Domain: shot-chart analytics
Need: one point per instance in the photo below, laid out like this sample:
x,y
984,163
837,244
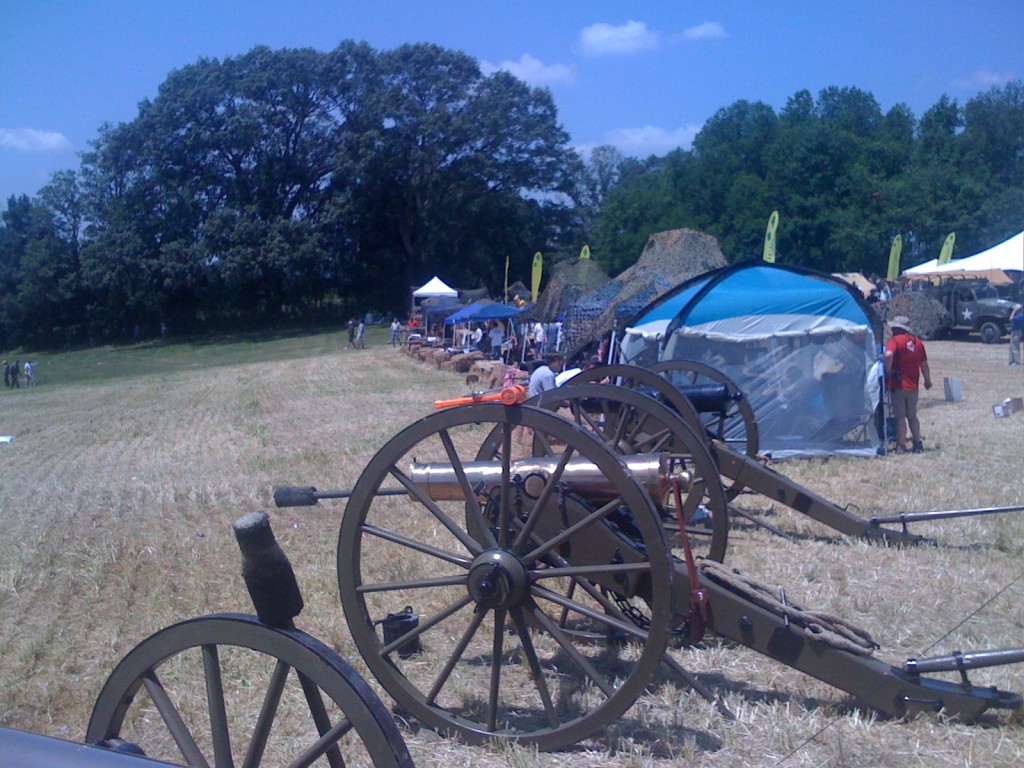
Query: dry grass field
x,y
129,465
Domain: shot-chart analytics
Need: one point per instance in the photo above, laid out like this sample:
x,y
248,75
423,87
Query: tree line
x,y
845,177
291,187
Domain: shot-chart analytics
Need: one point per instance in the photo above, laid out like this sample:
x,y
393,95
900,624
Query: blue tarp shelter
x,y
801,345
498,312
466,314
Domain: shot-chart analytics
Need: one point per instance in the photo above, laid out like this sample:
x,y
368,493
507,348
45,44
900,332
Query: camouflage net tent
x,y
568,282
668,259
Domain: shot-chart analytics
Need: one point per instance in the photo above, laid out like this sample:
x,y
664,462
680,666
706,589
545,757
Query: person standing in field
x,y
16,375
360,339
352,334
540,338
396,328
28,371
1016,333
905,361
7,374
497,337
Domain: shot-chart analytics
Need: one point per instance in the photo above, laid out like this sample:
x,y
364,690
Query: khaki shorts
x,y
904,403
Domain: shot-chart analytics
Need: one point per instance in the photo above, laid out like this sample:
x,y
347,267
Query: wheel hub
x,y
497,579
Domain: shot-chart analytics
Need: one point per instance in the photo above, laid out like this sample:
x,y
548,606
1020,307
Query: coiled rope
x,y
818,625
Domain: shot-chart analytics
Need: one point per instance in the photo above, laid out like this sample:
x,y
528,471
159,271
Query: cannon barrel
x,y
24,748
958,662
943,514
709,398
655,471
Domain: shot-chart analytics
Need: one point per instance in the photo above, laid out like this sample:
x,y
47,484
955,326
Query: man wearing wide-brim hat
x,y
905,361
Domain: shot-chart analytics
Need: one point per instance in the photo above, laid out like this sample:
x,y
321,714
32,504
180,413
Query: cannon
x,y
535,550
714,408
187,694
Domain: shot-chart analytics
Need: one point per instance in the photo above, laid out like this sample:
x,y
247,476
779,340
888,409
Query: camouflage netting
x,y
669,259
569,281
926,315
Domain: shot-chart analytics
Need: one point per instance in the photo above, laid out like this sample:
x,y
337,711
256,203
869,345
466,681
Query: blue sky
x,y
643,76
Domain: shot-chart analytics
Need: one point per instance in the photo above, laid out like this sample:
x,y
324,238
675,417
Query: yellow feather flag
x,y
947,249
585,252
538,267
769,237
894,258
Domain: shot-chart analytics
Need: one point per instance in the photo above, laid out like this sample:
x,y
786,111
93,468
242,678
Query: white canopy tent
x,y
1008,255
433,288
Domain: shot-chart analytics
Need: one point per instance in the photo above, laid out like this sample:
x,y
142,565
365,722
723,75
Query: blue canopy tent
x,y
498,312
466,314
801,345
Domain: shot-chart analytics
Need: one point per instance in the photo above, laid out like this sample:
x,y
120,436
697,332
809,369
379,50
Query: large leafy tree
x,y
844,176
458,171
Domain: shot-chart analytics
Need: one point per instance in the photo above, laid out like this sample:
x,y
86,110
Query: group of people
x,y
17,373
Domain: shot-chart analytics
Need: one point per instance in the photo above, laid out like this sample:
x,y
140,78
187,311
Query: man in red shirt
x,y
905,360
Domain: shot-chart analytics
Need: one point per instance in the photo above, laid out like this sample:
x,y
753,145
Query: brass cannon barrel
x,y
655,471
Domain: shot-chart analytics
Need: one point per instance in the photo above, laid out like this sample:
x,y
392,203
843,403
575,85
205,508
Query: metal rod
x,y
914,517
957,662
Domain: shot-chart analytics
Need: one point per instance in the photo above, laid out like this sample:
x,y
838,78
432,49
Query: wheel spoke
x,y
215,704
590,571
454,528
172,719
417,546
472,503
505,494
534,663
415,632
594,517
496,652
573,652
460,649
260,734
323,722
542,501
440,581
328,741
590,613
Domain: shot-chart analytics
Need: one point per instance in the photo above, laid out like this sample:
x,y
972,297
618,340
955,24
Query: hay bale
x,y
464,362
486,374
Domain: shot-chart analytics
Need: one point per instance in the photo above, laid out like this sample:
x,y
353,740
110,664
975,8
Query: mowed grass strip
x,y
129,465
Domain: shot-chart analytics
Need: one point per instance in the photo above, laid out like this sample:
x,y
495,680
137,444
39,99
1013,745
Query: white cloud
x,y
601,39
982,80
31,140
648,140
709,30
533,71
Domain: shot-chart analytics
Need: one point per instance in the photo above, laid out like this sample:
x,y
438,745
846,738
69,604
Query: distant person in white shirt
x,y
543,378
539,338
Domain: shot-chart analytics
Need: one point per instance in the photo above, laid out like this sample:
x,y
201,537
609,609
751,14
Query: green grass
x,y
106,363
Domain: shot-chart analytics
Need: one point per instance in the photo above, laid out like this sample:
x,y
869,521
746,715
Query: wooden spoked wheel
x,y
647,382
496,559
226,690
736,426
631,423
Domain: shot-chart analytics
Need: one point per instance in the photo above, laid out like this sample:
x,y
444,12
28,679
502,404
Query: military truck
x,y
972,306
